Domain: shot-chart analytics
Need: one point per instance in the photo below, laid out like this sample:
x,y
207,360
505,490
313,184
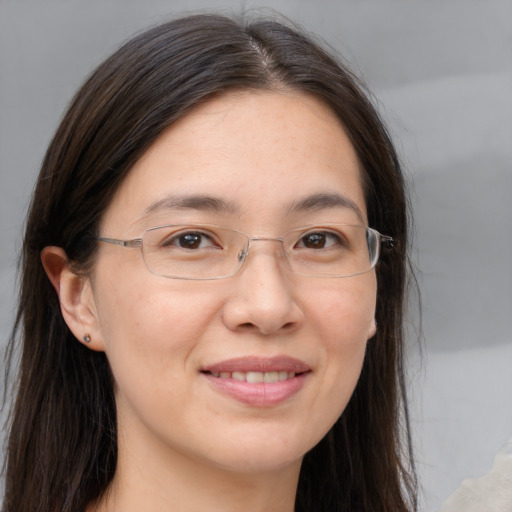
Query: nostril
x,y
267,330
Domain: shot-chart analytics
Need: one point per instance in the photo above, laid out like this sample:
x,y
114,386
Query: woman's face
x,y
259,163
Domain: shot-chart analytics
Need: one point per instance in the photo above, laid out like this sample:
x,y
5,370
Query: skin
x,y
182,442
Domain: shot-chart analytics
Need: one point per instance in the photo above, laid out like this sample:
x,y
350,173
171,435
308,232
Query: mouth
x,y
260,382
255,377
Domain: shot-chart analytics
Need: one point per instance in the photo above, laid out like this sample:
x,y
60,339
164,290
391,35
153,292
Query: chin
x,y
260,463
267,451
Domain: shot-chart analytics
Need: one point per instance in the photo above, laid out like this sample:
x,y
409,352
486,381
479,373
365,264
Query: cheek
x,y
150,325
346,311
345,320
150,338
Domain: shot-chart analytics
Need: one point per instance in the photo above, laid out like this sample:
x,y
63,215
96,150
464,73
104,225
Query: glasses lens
x,y
212,252
193,252
332,250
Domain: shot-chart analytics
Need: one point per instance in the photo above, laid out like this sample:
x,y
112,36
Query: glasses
x,y
203,251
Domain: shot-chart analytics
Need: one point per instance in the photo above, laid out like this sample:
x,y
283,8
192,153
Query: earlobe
x,y
75,297
373,329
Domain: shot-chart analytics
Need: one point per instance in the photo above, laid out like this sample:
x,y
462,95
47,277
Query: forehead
x,y
259,152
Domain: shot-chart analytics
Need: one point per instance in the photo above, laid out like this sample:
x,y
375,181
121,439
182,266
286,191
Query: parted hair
x,y
62,447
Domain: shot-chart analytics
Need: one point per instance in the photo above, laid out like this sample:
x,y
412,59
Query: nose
x,y
263,294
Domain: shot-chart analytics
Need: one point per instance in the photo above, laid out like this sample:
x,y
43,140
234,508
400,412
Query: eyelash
x,y
327,240
176,238
327,235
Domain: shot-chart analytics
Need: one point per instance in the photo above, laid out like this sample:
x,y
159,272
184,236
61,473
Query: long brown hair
x,y
62,448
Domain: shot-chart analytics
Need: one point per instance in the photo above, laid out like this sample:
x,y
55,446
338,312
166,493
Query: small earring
x,y
87,338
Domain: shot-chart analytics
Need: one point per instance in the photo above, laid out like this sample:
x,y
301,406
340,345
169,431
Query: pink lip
x,y
261,394
259,364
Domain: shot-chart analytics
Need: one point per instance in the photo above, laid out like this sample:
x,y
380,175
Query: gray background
x,y
442,73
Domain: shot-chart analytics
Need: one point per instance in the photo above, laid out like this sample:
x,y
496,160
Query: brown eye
x,y
191,240
314,241
319,240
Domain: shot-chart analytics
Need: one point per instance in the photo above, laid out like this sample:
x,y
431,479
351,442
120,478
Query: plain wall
x,y
442,73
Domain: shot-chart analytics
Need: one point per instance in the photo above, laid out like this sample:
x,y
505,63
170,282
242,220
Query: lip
x,y
259,394
259,364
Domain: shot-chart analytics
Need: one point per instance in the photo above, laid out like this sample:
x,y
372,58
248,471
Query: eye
x,y
192,240
320,240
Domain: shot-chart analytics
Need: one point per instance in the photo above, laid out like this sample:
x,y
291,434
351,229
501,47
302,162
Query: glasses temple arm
x,y
137,242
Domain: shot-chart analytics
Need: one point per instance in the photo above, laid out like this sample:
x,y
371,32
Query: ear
x,y
75,296
373,329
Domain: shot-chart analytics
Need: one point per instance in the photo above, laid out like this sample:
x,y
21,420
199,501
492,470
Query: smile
x,y
255,377
258,382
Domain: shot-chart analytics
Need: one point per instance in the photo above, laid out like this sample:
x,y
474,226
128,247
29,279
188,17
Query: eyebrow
x,y
203,202
323,201
193,202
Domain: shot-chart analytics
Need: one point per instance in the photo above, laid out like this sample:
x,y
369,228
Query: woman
x,y
202,319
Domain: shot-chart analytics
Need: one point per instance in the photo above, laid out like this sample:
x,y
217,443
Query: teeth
x,y
255,377
271,377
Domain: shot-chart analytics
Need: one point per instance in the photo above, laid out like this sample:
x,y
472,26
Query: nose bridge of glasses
x,y
270,248
265,239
